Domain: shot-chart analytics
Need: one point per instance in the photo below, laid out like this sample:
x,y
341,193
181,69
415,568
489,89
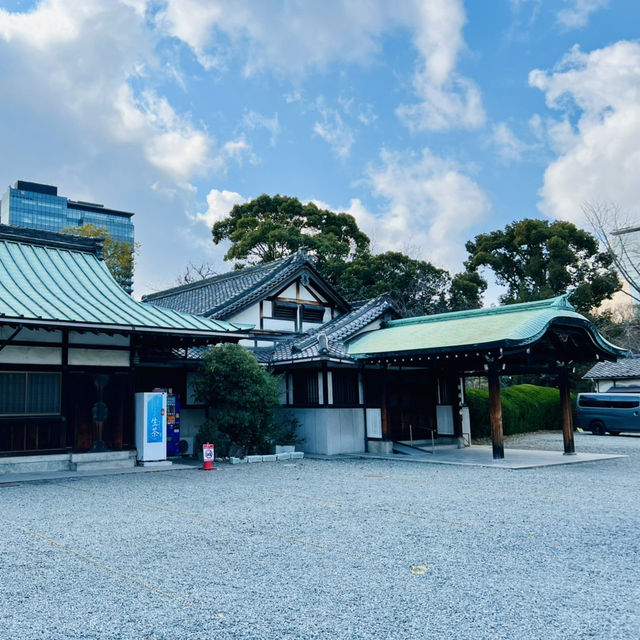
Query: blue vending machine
x,y
173,424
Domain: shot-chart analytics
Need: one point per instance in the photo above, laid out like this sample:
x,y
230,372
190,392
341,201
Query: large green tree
x,y
118,255
537,259
416,287
272,227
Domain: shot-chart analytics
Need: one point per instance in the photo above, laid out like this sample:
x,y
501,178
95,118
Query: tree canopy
x,y
272,227
415,287
118,255
537,259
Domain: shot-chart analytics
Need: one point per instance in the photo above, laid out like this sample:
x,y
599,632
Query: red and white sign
x,y
207,452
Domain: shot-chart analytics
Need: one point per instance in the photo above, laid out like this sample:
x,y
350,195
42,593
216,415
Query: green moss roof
x,y
52,279
506,326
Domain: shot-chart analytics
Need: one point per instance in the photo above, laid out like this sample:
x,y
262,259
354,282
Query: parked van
x,y
608,412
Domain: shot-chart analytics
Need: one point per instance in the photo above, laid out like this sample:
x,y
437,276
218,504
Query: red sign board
x,y
207,452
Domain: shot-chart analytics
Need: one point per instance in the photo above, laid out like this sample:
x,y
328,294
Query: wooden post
x,y
386,430
495,415
567,417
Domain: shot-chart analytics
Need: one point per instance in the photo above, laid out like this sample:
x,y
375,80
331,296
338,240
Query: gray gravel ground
x,y
329,549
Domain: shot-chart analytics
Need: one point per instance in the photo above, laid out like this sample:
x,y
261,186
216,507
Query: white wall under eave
x,y
99,357
31,355
329,430
75,337
250,315
36,335
617,385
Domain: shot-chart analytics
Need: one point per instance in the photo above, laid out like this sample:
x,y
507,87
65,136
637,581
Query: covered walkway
x,y
545,336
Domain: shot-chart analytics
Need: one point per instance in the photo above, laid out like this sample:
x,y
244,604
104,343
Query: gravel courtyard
x,y
329,549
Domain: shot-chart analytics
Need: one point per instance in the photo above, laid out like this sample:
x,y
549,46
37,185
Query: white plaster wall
x,y
305,294
317,294
279,325
290,292
100,339
607,385
32,355
190,421
98,358
330,431
250,315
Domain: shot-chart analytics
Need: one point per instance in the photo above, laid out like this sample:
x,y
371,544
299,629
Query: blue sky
x,y
430,121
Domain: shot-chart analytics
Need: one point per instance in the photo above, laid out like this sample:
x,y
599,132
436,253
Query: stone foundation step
x,y
34,464
102,460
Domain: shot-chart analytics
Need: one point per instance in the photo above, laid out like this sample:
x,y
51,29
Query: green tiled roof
x,y
49,278
506,326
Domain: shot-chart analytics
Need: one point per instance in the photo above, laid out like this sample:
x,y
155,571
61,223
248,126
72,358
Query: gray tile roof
x,y
328,341
308,347
224,294
624,368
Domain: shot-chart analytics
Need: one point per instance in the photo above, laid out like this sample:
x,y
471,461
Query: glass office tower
x,y
38,206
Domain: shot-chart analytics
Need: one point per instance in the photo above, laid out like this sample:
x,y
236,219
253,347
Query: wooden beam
x,y
567,417
495,415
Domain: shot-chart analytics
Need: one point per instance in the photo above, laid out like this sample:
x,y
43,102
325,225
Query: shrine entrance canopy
x,y
530,337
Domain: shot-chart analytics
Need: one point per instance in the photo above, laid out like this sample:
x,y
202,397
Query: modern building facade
x,y
38,206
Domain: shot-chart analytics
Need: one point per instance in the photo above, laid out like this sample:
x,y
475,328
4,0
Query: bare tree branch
x,y
621,239
193,273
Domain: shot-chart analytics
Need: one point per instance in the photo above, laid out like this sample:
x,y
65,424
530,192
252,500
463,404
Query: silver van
x,y
608,412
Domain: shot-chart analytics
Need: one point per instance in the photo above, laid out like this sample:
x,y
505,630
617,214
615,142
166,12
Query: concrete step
x,y
34,464
102,460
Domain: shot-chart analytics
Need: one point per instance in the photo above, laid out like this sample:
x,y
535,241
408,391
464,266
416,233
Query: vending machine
x,y
151,426
173,424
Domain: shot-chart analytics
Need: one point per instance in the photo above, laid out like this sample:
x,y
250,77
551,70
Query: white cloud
x,y
294,37
219,204
508,145
90,65
431,205
597,136
448,99
577,14
333,130
253,120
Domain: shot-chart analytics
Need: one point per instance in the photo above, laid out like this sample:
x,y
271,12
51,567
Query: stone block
x,y
254,459
269,458
283,456
285,448
296,455
380,446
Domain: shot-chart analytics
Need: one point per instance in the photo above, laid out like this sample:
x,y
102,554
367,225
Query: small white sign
x,y
207,452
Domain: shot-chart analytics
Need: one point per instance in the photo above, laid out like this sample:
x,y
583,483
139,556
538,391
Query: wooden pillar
x,y
567,418
495,415
386,430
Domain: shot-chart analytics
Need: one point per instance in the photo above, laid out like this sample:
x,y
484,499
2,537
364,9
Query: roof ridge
x,y
219,277
52,239
289,261
559,302
334,326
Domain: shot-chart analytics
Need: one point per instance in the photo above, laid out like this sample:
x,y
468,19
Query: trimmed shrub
x,y
240,396
525,408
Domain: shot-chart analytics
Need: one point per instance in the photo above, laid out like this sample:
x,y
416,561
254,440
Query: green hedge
x,y
525,407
